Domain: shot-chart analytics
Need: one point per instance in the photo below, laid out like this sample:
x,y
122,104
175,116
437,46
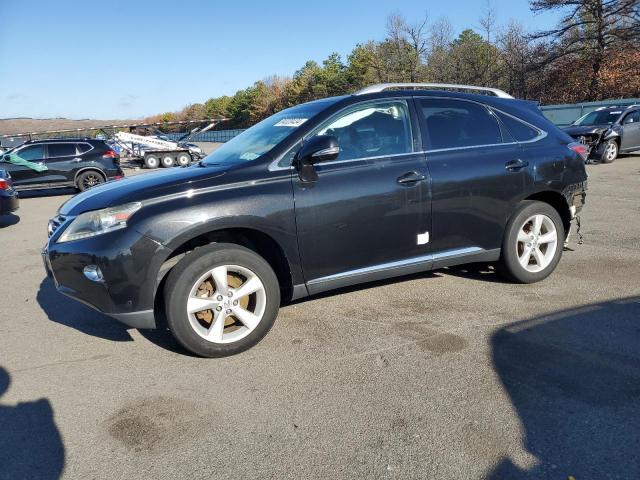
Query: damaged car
x,y
608,131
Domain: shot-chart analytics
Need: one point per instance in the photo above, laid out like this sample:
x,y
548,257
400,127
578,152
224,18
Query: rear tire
x,y
183,160
168,161
533,243
206,310
88,179
608,151
151,161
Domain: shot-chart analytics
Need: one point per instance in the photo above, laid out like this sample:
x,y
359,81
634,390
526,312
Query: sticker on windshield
x,y
290,122
249,156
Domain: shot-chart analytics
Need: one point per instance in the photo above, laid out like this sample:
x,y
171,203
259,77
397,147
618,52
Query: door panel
x,y
473,195
23,175
363,211
631,131
62,160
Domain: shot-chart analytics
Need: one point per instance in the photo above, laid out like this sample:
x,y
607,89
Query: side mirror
x,y
321,148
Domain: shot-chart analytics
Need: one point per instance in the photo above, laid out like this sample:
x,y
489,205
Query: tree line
x,y
593,53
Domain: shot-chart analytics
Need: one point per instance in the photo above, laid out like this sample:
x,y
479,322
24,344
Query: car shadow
x,y
73,314
574,380
30,444
8,220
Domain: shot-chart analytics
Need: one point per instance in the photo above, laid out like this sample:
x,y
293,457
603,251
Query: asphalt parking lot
x,y
448,374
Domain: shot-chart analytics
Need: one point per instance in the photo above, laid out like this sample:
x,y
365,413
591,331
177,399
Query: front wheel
x,y
533,243
221,300
608,152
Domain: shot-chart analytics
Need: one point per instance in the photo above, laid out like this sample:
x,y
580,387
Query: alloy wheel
x,y
611,152
226,304
536,243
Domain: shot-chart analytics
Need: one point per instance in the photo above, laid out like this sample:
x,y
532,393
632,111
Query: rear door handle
x,y
515,165
410,178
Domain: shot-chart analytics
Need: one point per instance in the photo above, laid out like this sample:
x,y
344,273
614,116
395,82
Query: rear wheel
x,y
151,161
168,161
608,151
533,243
221,300
88,179
183,159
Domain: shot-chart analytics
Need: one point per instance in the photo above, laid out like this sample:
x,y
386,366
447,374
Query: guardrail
x,y
563,115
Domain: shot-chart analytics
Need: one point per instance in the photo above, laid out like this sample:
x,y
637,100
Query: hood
x,y
139,188
577,130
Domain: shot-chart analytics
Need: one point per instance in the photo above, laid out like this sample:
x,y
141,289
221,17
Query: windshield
x,y
262,137
601,117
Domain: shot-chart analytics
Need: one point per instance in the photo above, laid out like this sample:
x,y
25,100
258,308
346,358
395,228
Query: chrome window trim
x,y
273,166
397,264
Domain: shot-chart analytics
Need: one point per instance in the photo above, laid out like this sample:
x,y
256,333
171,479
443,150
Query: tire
x,y
88,179
520,237
183,160
608,151
214,331
168,161
151,161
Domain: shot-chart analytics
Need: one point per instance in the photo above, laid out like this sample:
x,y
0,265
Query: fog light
x,y
93,273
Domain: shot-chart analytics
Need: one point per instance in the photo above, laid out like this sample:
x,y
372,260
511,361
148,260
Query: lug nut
x,y
228,311
219,298
235,302
230,294
218,309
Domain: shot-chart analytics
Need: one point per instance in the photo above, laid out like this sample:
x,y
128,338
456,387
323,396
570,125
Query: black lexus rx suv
x,y
392,180
71,162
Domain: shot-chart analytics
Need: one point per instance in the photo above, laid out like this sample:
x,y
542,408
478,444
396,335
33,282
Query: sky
x,y
118,59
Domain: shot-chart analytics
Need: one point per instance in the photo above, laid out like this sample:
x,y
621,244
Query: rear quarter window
x,y
520,131
83,147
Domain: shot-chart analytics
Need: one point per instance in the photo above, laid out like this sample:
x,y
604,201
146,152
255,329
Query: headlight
x,y
90,224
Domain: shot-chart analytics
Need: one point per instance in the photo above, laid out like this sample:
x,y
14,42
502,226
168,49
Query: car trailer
x,y
150,151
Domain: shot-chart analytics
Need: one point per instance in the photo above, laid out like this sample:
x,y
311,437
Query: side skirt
x,y
403,267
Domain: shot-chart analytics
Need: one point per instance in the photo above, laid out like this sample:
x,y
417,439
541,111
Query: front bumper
x,y
129,262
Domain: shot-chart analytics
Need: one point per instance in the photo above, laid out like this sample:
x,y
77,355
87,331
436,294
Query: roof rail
x,y
634,105
423,86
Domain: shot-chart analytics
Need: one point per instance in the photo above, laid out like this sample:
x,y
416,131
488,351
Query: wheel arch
x,y
558,202
254,239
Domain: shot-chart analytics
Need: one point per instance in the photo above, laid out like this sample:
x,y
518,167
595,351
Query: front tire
x,y
533,243
221,300
608,152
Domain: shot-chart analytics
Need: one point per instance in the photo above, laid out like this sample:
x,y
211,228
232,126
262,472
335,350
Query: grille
x,y
55,223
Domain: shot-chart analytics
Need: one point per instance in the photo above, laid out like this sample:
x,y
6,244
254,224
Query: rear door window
x,y
457,123
519,131
61,149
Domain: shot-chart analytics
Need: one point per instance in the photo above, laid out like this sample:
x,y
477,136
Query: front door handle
x,y
515,165
410,178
